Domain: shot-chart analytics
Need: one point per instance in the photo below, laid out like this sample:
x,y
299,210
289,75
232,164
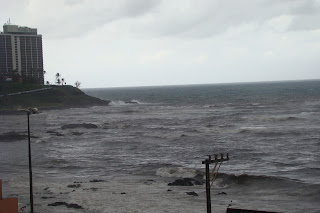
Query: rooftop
x,y
15,29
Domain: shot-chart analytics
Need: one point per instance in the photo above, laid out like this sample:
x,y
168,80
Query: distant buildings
x,y
21,54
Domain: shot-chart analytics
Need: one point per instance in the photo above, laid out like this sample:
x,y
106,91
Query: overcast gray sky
x,y
115,43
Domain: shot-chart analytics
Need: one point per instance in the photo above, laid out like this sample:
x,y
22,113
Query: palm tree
x,y
58,81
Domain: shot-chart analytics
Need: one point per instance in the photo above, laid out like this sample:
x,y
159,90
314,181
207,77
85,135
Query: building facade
x,y
21,53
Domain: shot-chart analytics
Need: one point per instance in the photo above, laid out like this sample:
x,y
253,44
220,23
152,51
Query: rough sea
x,y
151,136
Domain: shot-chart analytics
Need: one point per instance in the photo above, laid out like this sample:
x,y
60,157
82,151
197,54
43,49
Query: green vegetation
x,y
54,97
14,87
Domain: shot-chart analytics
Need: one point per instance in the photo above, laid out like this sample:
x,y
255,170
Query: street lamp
x,y
30,111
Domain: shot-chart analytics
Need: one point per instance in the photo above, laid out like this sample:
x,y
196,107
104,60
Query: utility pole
x,y
208,162
30,111
30,166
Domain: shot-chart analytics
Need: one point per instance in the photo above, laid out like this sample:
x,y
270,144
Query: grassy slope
x,y
57,97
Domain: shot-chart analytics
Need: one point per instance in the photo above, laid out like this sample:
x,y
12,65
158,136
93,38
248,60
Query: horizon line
x,y
199,84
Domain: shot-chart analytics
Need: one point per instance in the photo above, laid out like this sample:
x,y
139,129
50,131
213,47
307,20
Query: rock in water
x,y
192,193
186,182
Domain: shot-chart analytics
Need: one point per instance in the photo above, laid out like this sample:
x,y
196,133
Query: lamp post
x,y
30,111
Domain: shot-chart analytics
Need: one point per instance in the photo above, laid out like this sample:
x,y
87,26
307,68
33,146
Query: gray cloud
x,y
139,7
307,16
157,18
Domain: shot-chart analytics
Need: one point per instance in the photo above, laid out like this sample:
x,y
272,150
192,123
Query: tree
x,y
63,81
47,83
58,81
77,84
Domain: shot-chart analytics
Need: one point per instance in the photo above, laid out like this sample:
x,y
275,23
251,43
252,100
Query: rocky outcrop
x,y
186,182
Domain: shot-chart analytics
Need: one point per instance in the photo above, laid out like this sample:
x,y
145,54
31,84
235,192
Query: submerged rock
x,y
54,133
74,185
222,193
192,193
77,133
71,205
83,125
14,136
45,197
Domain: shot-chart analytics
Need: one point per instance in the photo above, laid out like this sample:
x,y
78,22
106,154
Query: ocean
x,y
151,136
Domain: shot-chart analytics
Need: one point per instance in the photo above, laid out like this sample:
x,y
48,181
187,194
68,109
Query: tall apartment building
x,y
21,52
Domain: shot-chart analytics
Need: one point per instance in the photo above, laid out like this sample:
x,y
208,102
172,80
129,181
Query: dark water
x,y
270,130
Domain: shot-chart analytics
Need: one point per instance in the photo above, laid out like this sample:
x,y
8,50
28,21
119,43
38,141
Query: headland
x,y
15,96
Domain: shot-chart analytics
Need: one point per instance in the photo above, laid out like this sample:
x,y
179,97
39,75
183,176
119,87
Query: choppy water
x,y
270,130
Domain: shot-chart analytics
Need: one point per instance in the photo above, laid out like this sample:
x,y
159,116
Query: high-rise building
x,y
21,53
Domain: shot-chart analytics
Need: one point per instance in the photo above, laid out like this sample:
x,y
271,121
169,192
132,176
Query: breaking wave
x,y
122,103
177,172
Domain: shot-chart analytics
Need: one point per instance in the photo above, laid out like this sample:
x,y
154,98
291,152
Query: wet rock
x,y
182,182
222,193
83,125
192,193
71,205
123,193
169,190
74,185
186,182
